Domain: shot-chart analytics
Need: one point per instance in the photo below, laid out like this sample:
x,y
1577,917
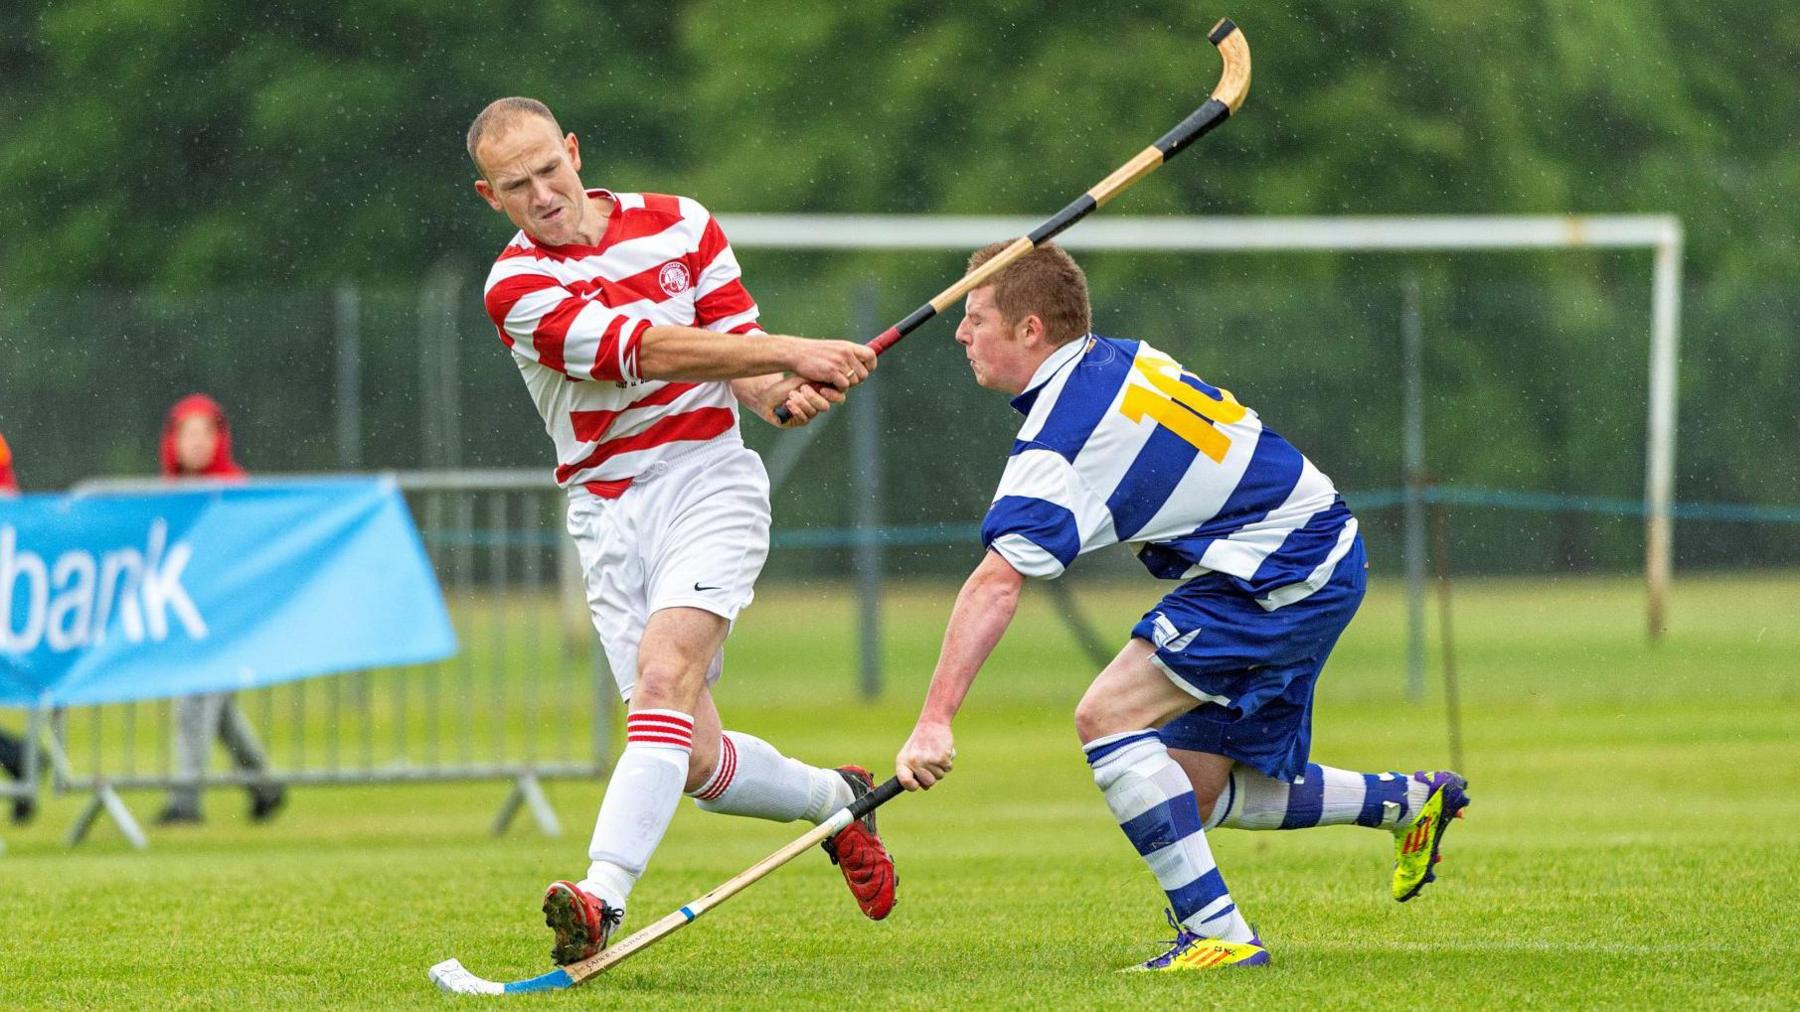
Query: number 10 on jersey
x,y
1182,409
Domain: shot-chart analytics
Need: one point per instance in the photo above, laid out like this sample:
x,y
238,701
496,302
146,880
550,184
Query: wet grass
x,y
1627,845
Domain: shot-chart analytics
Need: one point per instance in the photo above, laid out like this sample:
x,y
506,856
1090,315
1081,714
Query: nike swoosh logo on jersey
x,y
702,589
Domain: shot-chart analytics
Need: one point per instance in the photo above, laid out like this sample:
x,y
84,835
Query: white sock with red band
x,y
640,800
754,779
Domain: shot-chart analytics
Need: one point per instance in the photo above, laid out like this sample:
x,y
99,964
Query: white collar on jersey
x,y
1049,367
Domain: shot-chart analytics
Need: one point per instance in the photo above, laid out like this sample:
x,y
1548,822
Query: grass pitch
x,y
1630,843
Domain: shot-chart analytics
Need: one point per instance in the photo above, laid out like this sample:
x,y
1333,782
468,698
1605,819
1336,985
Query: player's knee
x,y
1205,797
666,683
1207,774
703,762
697,777
1095,717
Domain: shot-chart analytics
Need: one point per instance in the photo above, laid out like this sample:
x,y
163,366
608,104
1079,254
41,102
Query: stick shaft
x,y
1234,84
647,936
1227,96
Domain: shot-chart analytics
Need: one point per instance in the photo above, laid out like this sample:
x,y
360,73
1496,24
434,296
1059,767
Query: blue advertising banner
x,y
114,597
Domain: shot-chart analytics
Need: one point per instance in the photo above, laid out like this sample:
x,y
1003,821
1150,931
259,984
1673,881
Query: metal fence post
x,y
439,414
1412,452
450,364
347,304
865,485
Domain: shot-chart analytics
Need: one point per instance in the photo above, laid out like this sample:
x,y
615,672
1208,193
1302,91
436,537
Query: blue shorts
x,y
1255,668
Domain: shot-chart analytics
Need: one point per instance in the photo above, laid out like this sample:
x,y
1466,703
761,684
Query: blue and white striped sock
x,y
1154,803
1324,796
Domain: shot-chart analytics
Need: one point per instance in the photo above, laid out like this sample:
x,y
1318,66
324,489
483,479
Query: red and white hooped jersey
x,y
575,315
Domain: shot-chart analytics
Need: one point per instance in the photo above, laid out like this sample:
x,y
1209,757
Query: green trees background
x,y
204,143
181,151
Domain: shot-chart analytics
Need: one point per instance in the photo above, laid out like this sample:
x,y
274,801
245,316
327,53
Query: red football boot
x,y
858,852
582,922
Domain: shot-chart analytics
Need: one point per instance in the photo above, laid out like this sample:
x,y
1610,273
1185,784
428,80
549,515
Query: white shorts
x,y
692,532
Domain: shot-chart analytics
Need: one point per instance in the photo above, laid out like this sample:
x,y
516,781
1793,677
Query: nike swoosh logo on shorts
x,y
702,589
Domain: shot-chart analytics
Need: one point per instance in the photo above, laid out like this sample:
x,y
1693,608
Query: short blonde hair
x,y
1046,282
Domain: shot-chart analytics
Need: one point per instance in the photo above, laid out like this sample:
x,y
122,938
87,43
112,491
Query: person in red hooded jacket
x,y
196,443
9,483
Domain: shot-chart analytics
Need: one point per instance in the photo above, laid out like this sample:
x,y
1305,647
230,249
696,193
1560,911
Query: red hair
x,y
221,465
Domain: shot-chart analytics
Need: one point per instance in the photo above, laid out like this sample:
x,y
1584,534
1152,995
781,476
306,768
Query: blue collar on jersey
x,y
1048,368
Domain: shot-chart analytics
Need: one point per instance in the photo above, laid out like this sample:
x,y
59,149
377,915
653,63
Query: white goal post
x,y
1659,233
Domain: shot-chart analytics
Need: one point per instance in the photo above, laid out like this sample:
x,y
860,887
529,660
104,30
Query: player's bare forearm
x,y
749,390
690,353
984,609
761,395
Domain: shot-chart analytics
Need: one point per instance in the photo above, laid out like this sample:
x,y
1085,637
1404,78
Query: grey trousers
x,y
198,720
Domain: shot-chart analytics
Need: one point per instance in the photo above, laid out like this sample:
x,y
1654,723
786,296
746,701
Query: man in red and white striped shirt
x,y
637,341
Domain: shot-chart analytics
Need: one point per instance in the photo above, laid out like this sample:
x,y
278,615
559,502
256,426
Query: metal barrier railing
x,y
526,697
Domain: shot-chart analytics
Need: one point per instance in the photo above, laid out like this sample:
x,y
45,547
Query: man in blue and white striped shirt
x,y
1204,718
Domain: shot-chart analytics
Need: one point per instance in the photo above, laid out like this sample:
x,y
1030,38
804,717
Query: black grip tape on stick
x,y
888,791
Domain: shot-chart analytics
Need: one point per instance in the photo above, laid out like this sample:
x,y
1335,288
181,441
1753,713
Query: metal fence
x,y
1531,375
526,698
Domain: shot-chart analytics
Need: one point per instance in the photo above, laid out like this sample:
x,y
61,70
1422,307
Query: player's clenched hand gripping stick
x,y
1234,84
451,976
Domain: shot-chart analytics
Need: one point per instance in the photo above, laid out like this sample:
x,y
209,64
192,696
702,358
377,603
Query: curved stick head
x,y
1234,49
451,976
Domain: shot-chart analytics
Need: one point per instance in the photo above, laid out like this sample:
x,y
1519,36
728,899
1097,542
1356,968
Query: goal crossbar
x,y
1661,234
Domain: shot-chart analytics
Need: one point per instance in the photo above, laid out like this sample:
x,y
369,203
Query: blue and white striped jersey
x,y
1122,446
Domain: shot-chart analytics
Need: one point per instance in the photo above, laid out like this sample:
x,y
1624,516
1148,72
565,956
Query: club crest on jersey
x,y
674,277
